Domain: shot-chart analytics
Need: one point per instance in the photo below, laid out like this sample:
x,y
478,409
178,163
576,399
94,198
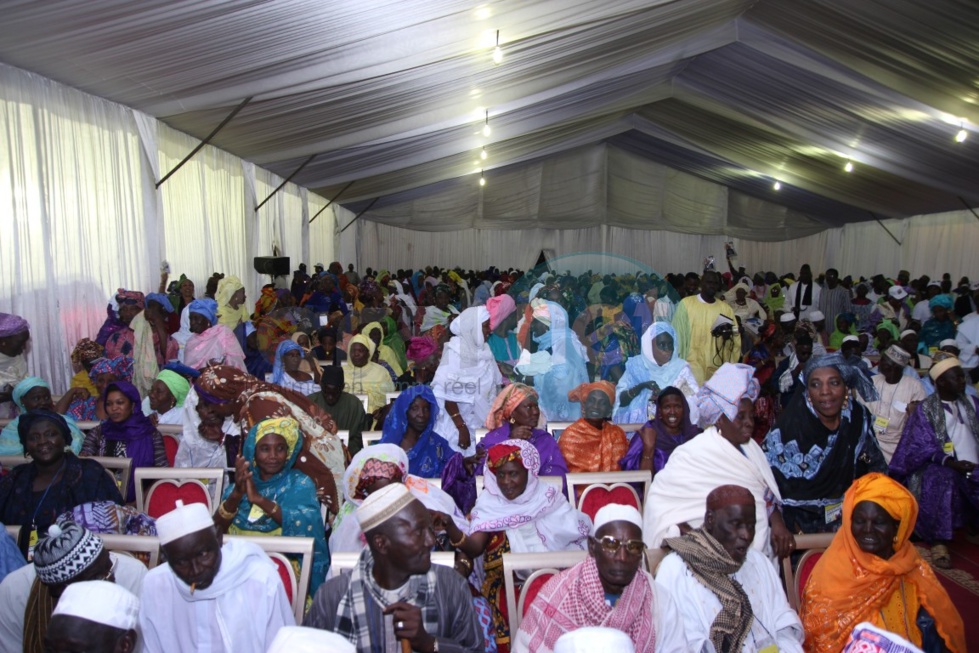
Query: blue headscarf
x,y
206,307
278,369
26,386
642,368
160,299
940,301
11,444
429,455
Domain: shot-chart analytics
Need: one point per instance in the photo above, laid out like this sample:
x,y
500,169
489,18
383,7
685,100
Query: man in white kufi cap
x,y
898,394
300,639
94,616
592,639
209,597
395,594
607,589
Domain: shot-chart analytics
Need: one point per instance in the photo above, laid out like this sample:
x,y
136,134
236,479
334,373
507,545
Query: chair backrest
x,y
556,428
390,397
364,400
9,462
171,429
112,465
13,530
139,546
654,557
344,436
371,437
278,548
542,566
632,427
189,484
589,491
171,444
347,560
805,544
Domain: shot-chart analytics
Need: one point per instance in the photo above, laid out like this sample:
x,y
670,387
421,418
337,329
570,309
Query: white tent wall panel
x,y
81,217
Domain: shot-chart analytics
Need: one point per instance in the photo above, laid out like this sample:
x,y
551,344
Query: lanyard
x,y
45,495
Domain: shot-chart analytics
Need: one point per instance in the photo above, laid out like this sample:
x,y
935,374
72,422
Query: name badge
x,y
948,448
833,512
771,648
880,424
31,543
255,514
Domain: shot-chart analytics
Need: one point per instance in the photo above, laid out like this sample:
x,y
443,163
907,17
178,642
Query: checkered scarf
x,y
713,566
352,621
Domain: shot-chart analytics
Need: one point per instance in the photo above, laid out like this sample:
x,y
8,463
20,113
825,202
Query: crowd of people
x,y
763,407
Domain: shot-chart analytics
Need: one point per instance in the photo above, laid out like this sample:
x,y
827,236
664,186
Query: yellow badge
x,y
948,448
833,512
880,424
255,514
771,648
31,543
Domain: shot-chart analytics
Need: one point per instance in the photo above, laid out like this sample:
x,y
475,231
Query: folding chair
x,y
167,486
171,444
278,548
364,400
371,437
138,546
542,566
811,547
347,560
596,489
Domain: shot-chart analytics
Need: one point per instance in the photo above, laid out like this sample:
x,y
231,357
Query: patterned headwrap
x,y
852,375
442,287
12,325
580,394
124,296
66,552
287,427
86,351
375,470
724,391
369,287
500,454
121,367
420,348
160,299
541,312
506,402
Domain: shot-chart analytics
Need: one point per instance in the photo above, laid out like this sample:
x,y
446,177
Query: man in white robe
x,y
209,597
701,569
898,395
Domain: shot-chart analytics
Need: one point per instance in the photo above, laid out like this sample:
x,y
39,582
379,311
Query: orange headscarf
x,y
849,586
506,402
586,448
581,393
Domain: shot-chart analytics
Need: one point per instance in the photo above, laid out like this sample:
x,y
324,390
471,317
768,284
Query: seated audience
x,y
326,350
95,616
724,454
370,606
502,339
514,415
606,589
366,377
873,573
898,396
69,554
593,443
383,354
347,410
209,439
732,597
144,335
34,393
211,341
210,595
821,443
269,497
232,308
657,439
410,424
937,457
126,433
15,333
34,494
165,402
85,353
940,325
256,362
658,367
80,405
286,372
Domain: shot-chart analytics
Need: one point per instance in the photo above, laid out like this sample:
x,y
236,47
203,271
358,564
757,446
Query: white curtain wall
x,y
80,215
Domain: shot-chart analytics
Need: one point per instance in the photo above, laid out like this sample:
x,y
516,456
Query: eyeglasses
x,y
612,545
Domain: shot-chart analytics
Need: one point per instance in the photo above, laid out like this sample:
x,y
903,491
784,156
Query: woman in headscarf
x,y
887,333
286,370
230,298
363,376
370,470
145,336
593,443
873,573
83,406
646,375
32,394
940,326
467,380
724,454
383,355
651,446
503,340
270,497
250,401
844,327
209,438
606,330
54,480
439,313
373,299
821,443
165,402
515,512
126,433
212,342
411,424
85,353
394,342
403,311
558,365
515,415
774,301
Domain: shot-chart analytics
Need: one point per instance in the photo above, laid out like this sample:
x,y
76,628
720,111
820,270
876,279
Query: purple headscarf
x,y
136,431
12,324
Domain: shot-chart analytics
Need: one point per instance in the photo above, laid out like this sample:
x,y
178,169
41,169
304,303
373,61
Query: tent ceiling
x,y
385,92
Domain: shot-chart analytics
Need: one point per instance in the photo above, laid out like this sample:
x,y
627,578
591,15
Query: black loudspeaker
x,y
277,266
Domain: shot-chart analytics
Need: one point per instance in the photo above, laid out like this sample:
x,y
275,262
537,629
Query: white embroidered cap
x,y
183,520
594,638
99,601
300,639
616,512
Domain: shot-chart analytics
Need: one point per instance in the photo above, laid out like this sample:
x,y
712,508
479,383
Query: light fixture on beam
x,y
497,52
777,185
486,128
483,154
482,179
849,166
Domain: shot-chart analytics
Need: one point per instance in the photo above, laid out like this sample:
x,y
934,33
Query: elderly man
x,y
937,456
606,589
395,593
68,555
224,598
894,308
706,330
898,396
15,332
733,599
96,617
346,409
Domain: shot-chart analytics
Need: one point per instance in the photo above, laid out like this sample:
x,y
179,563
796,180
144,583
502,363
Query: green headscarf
x,y
394,340
774,303
179,386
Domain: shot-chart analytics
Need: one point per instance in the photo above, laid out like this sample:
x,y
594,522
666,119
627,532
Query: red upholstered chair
x,y
278,549
166,486
590,491
594,497
287,574
171,444
540,566
811,547
163,495
531,587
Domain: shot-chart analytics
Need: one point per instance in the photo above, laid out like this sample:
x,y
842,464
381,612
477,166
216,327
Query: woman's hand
x,y
648,436
471,462
242,475
440,520
782,540
80,394
254,496
465,439
521,432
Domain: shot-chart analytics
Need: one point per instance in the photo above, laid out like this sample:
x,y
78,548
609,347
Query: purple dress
x,y
551,461
944,495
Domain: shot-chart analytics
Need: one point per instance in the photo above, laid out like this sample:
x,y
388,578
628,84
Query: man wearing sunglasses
x,y
732,596
606,589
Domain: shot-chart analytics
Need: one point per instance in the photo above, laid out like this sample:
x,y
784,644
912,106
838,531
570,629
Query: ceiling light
x,y
497,52
849,166
961,136
483,12
483,154
482,179
777,185
486,128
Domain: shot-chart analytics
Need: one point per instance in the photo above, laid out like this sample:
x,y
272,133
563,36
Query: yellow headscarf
x,y
286,427
227,315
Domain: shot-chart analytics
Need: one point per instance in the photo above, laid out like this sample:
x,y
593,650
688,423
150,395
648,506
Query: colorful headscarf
x,y
86,351
26,386
227,315
852,375
723,392
160,299
500,307
178,385
394,340
580,394
278,368
206,307
506,402
286,427
361,339
12,325
501,454
121,367
124,296
420,348
136,432
427,456
771,302
940,301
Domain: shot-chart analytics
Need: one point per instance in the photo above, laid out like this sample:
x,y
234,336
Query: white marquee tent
x,y
651,129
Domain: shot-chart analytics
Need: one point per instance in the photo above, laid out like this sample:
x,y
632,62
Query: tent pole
x,y
368,208
331,201
287,180
899,243
971,210
206,140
